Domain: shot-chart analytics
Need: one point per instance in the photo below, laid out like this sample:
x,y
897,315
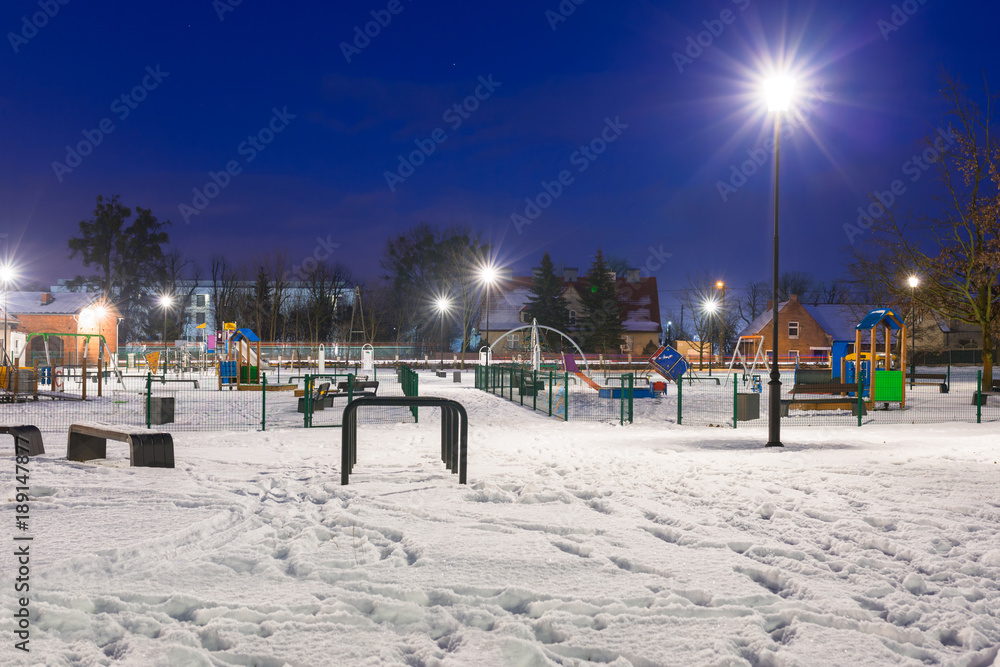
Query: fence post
x,y
680,401
736,398
534,390
861,397
566,406
149,400
979,397
631,397
308,401
263,401
551,388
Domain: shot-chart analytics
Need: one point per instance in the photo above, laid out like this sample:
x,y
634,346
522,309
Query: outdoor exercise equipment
x,y
454,431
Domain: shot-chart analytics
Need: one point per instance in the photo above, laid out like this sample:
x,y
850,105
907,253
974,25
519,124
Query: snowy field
x,y
573,544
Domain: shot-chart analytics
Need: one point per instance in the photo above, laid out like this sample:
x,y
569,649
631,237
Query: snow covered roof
x,y
837,320
59,303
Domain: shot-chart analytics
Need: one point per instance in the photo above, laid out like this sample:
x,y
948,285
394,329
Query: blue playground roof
x,y
247,334
880,316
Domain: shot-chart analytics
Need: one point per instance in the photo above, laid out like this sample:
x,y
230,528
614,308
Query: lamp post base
x,y
774,411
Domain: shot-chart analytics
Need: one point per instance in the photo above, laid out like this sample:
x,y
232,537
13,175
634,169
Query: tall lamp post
x,y
721,286
166,301
778,91
710,307
442,304
6,276
914,281
488,275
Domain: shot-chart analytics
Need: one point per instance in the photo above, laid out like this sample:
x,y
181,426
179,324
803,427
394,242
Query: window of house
x,y
513,341
793,330
524,317
200,318
793,353
572,317
200,300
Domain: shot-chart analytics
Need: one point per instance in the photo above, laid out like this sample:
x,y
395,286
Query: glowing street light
x,y
914,281
443,304
779,94
488,275
165,302
6,277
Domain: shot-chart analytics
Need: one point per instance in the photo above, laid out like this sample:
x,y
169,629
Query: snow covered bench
x,y
149,449
27,439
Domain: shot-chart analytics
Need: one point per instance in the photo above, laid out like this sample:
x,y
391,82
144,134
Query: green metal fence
x,y
326,395
558,394
940,395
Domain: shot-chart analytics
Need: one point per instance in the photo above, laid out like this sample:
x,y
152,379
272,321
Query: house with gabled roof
x,y
64,313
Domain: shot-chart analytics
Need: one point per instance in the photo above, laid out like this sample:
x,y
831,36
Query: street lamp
x,y
488,276
778,93
670,332
710,307
6,276
721,286
914,281
443,303
165,301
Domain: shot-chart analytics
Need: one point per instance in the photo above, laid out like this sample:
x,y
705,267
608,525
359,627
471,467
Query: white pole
x,y
322,359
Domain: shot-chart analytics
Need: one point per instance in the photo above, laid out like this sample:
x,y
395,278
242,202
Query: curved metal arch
x,y
542,326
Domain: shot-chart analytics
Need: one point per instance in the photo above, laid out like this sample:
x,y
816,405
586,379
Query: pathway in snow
x,y
573,544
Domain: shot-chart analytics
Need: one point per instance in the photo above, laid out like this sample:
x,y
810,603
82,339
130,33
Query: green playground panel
x,y
888,386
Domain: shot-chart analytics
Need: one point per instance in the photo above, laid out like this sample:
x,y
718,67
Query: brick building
x,y
807,330
63,313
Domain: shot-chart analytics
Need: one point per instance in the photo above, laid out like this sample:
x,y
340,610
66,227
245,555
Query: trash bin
x,y
457,377
161,410
747,407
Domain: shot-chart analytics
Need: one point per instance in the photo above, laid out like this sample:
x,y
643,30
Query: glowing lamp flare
x,y
914,281
443,304
778,92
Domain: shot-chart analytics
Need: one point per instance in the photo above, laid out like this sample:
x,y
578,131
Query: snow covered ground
x,y
573,544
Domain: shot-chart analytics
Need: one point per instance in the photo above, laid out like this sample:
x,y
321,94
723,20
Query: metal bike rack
x,y
454,431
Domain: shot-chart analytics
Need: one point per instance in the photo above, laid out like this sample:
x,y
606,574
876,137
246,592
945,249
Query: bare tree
x,y
954,250
753,303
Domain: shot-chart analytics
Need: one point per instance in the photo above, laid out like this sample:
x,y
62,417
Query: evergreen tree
x,y
602,313
546,303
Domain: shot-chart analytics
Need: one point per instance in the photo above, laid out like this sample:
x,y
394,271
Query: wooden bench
x,y
318,398
27,440
822,404
827,388
940,379
147,449
365,388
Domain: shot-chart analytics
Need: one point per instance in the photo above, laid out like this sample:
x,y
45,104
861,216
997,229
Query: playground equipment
x,y
744,346
875,371
241,366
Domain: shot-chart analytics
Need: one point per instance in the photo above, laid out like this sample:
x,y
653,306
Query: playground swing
x,y
748,343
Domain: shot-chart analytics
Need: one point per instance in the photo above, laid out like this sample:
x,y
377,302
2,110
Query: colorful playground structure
x,y
240,365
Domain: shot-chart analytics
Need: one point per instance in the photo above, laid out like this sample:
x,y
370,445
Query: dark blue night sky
x,y
278,72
